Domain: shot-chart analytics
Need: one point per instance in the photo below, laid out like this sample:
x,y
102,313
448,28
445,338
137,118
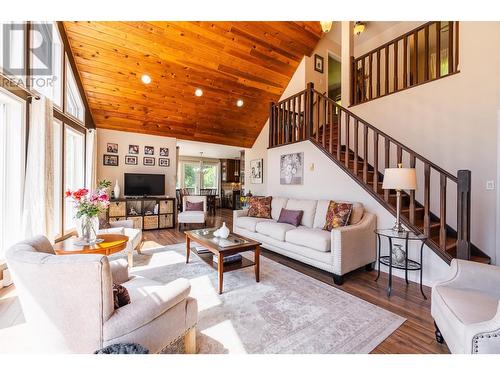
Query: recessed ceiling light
x,y
239,102
198,92
146,79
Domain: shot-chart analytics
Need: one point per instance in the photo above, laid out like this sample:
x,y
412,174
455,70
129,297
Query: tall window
x,y
49,85
74,167
210,176
74,103
12,158
197,175
58,175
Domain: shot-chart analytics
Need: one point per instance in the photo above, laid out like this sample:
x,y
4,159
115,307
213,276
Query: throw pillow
x,y
260,207
120,296
103,223
290,216
194,206
337,215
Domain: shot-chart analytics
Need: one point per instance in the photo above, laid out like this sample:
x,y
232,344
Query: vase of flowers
x,y
88,206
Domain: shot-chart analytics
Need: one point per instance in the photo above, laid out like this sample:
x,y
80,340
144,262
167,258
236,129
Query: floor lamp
x,y
399,179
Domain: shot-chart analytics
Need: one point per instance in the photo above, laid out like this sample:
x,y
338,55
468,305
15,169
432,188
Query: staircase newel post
x,y
271,124
463,214
310,111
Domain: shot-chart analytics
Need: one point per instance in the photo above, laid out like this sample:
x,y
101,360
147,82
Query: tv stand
x,y
146,212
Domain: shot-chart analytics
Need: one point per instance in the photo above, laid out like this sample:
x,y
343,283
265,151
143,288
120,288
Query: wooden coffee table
x,y
113,243
205,238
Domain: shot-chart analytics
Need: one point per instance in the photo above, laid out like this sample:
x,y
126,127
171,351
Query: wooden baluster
x,y
356,129
378,73
375,161
271,124
278,124
354,77
300,118
427,198
370,77
395,88
347,121
365,154
451,65
318,113
363,81
387,147
415,57
463,214
438,49
339,133
456,47
442,213
325,122
405,62
286,126
426,53
332,114
386,70
399,155
310,112
412,192
294,120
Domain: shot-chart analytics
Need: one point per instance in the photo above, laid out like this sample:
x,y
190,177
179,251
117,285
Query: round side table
x,y
407,264
112,243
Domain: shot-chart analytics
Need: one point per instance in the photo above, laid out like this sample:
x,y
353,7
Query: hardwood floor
x,y
415,336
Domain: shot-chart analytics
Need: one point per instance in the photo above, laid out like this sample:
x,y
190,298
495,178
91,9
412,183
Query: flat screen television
x,y
141,184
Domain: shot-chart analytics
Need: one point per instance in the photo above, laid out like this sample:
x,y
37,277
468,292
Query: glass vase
x,y
87,228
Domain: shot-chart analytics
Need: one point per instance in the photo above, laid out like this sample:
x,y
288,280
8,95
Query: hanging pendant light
x,y
326,26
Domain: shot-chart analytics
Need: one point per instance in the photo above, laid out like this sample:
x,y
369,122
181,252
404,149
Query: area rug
x,y
287,312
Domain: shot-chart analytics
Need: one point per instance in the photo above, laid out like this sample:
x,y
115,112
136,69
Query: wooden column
x,y
309,109
463,214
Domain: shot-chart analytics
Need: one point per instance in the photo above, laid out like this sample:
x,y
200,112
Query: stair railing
x,y
353,142
424,54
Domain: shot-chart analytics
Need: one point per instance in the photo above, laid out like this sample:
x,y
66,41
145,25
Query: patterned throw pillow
x,y
260,207
120,296
337,215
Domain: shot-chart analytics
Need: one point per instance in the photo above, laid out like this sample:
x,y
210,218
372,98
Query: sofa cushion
x,y
194,206
188,217
276,205
320,217
337,215
120,296
306,205
290,216
117,230
248,223
273,229
260,207
316,239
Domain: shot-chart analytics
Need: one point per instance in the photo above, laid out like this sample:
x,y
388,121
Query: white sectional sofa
x,y
340,251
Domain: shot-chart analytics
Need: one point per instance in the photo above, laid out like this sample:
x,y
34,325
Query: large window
x,y
12,157
74,103
196,175
74,167
48,83
58,175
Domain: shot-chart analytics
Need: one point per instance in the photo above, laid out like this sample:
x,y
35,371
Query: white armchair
x,y
68,302
192,217
466,308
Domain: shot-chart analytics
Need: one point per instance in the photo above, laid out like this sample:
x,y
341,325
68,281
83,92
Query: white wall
x,y
328,181
453,122
124,139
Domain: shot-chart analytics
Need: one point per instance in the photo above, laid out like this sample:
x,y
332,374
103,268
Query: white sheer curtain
x,y
91,156
38,212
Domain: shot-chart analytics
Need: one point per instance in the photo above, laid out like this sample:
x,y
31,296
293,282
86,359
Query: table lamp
x,y
399,179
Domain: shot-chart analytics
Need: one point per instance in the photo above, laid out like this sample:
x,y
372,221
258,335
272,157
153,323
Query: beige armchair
x,y
68,302
193,217
466,308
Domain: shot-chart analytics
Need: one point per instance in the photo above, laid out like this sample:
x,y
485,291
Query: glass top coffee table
x,y
234,244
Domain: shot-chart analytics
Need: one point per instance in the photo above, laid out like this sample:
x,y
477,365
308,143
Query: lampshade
x,y
400,179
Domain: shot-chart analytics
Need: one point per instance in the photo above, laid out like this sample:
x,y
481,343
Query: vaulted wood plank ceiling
x,y
253,61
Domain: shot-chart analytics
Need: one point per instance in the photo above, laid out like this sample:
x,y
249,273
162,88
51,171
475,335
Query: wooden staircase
x,y
364,151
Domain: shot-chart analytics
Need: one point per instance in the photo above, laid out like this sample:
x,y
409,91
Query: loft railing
x,y
424,54
365,151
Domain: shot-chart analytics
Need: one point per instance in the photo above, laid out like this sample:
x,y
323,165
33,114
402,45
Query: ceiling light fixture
x,y
146,79
326,26
198,92
359,27
239,103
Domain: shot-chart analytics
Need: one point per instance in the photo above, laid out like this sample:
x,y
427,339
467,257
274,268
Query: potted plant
x,y
88,206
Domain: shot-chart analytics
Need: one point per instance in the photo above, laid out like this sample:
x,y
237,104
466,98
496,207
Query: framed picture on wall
x,y
256,171
110,160
149,150
292,169
150,162
133,149
112,148
164,162
130,160
318,63
163,151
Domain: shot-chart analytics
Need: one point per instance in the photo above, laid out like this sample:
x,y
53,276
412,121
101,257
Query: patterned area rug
x,y
287,312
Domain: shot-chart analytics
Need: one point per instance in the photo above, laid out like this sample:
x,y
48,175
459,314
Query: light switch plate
x,y
490,185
